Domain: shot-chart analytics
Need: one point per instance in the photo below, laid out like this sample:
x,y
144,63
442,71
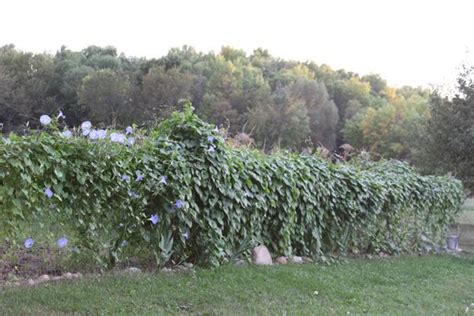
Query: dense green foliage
x,y
451,132
415,285
216,198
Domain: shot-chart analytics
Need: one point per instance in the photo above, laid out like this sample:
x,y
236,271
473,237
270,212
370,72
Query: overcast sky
x,y
408,42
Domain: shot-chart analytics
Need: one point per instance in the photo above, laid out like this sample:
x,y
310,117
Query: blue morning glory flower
x,y
29,243
60,115
211,149
210,139
179,203
66,134
102,133
186,235
131,141
62,242
128,130
118,138
140,176
86,125
154,219
94,134
133,194
164,180
48,192
125,178
45,120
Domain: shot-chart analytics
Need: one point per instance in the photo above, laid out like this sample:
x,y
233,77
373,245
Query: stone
x,y
78,275
133,270
43,278
188,265
307,259
31,282
68,275
281,260
240,262
261,256
167,270
296,259
56,278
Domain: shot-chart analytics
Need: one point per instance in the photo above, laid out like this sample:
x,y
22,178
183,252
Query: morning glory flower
x,y
29,243
211,149
117,138
45,120
164,180
133,194
140,176
102,133
66,134
216,129
179,203
86,132
210,139
247,194
61,115
126,178
94,134
86,125
131,141
186,235
62,242
48,192
128,130
154,219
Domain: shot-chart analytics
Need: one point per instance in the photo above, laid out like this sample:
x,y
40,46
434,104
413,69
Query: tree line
x,y
279,103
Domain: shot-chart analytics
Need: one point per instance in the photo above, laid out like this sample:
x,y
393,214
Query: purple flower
x,y
131,141
125,178
29,243
86,125
60,115
210,139
164,180
154,219
62,242
66,134
211,149
128,130
94,134
48,192
45,120
102,133
133,194
117,138
140,176
179,203
85,132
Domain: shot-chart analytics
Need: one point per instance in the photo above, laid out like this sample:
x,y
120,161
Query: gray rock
x,y
281,260
296,259
261,256
188,265
31,282
43,278
68,275
56,278
134,270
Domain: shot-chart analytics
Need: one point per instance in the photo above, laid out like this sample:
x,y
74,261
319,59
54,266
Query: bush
x,y
180,192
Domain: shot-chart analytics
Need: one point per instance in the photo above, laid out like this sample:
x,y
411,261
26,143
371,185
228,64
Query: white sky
x,y
408,42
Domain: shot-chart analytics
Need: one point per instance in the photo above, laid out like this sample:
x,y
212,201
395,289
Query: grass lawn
x,y
406,285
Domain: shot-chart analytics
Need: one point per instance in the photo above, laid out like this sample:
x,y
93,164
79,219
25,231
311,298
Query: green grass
x,y
408,285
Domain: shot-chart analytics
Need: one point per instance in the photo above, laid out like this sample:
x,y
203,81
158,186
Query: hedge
x,y
180,192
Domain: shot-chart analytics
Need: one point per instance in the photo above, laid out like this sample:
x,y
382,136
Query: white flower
x,y
128,130
61,115
45,120
131,141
